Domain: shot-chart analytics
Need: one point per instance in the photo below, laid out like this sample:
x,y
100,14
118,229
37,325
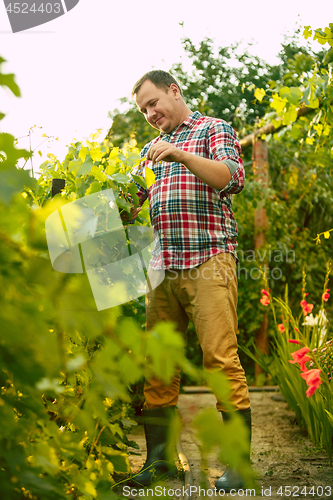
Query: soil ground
x,y
282,454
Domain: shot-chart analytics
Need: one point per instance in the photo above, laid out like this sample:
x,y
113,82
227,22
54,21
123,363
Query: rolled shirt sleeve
x,y
223,145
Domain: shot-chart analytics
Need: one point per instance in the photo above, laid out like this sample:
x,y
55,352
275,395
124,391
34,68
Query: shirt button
x,y
162,235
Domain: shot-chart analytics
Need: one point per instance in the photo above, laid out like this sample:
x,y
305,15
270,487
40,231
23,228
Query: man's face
x,y
161,108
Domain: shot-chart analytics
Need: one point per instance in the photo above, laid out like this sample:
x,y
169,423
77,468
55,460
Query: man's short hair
x,y
161,79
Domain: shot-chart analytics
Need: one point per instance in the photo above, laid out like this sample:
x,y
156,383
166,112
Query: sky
x,y
73,70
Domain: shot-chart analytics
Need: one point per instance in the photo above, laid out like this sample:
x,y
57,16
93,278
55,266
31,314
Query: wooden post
x,y
261,172
57,186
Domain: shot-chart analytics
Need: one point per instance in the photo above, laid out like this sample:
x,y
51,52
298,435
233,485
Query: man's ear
x,y
175,90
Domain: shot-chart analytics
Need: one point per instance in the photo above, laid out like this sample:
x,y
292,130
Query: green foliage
x,y
8,80
92,167
314,412
233,435
222,81
324,354
66,368
226,82
68,371
13,180
299,198
307,82
220,85
299,205
323,37
130,125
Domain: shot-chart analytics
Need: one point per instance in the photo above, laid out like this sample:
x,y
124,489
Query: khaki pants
x,y
207,295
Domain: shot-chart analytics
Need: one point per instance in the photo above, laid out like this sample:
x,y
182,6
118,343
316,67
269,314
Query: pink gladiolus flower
x,y
281,327
264,300
326,295
307,308
294,341
265,297
312,378
301,358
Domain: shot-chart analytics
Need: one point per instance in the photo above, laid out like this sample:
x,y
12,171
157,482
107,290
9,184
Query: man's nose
x,y
151,113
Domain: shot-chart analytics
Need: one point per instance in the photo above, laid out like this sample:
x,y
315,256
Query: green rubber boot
x,y
230,479
158,464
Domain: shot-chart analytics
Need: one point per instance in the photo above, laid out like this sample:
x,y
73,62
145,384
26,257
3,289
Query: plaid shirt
x,y
193,221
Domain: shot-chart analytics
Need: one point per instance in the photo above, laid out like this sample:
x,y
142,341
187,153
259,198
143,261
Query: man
x,y
197,166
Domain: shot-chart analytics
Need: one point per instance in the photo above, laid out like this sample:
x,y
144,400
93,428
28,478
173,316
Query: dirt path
x,y
285,460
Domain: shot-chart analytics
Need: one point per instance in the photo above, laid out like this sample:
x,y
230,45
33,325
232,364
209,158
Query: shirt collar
x,y
189,122
192,119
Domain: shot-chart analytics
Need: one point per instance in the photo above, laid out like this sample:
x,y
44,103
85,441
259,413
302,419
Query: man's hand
x,y
126,217
164,151
212,172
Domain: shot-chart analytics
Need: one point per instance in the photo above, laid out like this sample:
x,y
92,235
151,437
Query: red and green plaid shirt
x,y
193,221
